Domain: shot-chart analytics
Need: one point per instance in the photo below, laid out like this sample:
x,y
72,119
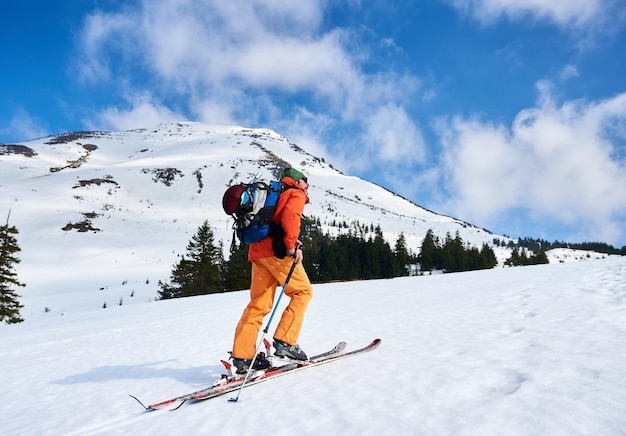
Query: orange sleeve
x,y
290,216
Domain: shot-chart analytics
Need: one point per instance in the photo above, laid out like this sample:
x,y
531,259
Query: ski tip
x,y
373,345
340,347
178,405
142,405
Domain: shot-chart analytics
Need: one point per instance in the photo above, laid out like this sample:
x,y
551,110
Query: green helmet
x,y
293,173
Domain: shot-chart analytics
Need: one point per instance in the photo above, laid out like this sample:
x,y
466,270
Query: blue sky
x,y
509,114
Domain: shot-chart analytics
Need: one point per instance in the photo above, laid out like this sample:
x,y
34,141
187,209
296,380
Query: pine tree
x,y
9,299
523,257
454,254
402,257
237,272
383,255
200,272
540,257
311,236
428,257
488,258
514,259
328,268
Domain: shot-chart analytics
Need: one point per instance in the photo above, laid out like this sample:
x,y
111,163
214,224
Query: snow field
x,y
510,351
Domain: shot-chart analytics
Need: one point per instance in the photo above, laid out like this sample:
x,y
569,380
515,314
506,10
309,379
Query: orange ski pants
x,y
266,273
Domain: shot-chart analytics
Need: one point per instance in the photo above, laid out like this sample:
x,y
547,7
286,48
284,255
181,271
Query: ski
x,y
224,382
282,370
228,384
291,367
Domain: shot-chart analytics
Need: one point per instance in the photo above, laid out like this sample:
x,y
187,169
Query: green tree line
x,y
453,255
521,257
203,269
361,253
537,245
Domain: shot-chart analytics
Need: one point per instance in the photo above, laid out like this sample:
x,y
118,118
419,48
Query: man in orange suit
x,y
267,271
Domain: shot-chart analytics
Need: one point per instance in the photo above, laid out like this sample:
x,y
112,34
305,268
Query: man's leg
x,y
300,292
262,289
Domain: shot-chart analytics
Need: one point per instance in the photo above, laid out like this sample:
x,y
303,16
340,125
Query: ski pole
x,y
265,330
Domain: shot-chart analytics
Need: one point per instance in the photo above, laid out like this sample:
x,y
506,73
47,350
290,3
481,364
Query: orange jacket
x,y
288,212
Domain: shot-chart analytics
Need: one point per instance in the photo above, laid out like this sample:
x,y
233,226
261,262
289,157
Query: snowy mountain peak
x,y
125,204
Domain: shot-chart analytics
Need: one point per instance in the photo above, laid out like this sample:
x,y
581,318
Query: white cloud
x,y
569,71
558,163
391,136
193,45
213,112
94,64
249,62
566,13
143,111
306,129
23,127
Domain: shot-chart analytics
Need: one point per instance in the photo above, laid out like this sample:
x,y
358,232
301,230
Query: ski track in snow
x,y
510,351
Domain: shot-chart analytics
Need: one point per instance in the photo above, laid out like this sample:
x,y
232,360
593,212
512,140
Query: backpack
x,y
252,206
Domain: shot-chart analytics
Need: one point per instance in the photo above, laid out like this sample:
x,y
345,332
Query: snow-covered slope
x,y
123,205
510,351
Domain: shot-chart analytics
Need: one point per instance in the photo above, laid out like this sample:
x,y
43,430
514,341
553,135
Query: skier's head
x,y
294,174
